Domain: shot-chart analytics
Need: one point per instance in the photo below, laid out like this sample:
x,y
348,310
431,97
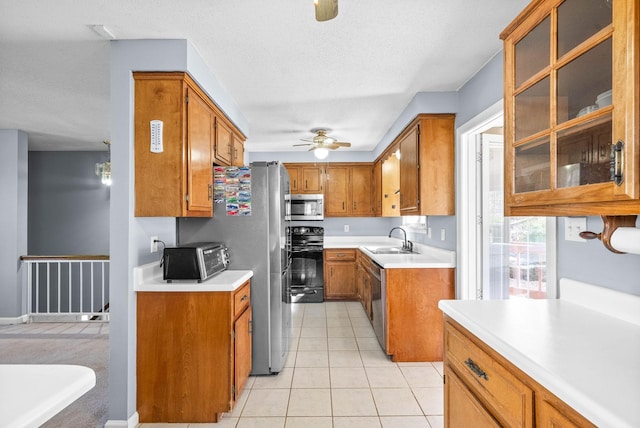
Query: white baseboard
x,y
133,421
16,320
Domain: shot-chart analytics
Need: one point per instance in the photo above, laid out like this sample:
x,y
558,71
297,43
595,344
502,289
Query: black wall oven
x,y
307,272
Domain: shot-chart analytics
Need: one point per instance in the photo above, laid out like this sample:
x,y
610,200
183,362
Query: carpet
x,y
20,346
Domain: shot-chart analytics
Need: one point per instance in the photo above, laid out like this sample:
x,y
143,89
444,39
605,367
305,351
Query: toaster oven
x,y
195,261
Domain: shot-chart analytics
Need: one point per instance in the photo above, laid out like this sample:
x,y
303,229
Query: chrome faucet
x,y
407,245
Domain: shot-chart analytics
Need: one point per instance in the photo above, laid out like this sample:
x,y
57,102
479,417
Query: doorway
x,y
499,257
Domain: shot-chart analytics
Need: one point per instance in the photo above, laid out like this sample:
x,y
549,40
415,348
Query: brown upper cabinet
x,y
223,151
177,181
427,178
238,151
390,199
571,109
306,177
376,194
349,189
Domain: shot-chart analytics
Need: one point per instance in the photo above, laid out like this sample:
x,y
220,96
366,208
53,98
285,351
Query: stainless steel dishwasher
x,y
378,301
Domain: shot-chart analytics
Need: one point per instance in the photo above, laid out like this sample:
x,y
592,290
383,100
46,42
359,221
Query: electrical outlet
x,y
572,228
154,244
442,234
346,227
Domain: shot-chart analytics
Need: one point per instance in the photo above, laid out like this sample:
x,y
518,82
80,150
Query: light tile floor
x,y
337,376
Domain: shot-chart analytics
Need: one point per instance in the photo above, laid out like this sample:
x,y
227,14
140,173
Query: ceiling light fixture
x,y
103,169
321,153
103,32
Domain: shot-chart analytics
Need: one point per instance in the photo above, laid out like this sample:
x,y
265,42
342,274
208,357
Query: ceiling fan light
x,y
321,153
326,9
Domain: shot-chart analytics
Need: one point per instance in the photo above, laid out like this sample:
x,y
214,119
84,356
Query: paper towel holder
x,y
611,223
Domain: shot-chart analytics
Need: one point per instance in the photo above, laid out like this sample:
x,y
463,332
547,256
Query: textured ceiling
x,y
288,73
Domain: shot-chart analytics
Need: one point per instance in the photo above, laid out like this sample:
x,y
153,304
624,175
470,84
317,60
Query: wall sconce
x,y
103,170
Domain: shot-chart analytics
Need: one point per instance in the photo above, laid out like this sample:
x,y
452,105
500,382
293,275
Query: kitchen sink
x,y
390,250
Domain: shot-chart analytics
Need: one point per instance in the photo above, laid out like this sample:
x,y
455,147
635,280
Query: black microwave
x,y
305,207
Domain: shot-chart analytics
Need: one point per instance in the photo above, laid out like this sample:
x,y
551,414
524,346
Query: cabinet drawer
x,y
340,255
465,409
241,299
510,400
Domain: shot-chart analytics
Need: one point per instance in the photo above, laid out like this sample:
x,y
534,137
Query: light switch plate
x,y
572,228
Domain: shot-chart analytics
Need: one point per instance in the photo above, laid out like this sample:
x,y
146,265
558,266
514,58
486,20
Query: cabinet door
x,y
160,178
376,193
409,173
336,196
340,280
462,408
238,151
391,187
311,179
224,143
570,80
199,143
360,184
294,178
242,351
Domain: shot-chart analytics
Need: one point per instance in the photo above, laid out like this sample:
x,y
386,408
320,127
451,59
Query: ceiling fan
x,y
321,143
326,9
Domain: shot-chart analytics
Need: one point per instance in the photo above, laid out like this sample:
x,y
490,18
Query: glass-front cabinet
x,y
571,108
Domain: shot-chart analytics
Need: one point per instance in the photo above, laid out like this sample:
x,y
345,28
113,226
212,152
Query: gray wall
x,y
68,204
591,262
13,221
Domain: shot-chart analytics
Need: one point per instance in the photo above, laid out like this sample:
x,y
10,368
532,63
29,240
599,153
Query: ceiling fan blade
x,y
342,144
326,9
307,144
331,146
306,139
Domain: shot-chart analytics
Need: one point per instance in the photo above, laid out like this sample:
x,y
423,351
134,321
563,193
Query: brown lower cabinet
x,y
413,320
339,274
483,389
193,353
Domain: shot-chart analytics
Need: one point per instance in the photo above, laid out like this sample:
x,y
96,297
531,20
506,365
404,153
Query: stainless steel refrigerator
x,y
258,242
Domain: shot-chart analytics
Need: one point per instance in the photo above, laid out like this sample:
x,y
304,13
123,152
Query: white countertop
x,y
588,359
427,257
31,394
149,278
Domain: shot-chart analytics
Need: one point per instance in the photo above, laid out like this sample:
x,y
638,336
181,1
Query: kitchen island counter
x,y
426,256
585,357
149,278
